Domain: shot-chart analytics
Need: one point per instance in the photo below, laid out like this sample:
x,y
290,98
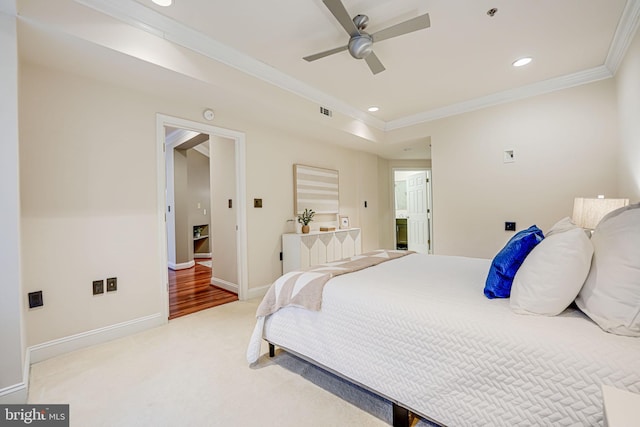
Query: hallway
x,y
190,290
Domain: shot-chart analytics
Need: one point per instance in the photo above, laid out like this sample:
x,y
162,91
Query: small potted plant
x,y
305,218
196,232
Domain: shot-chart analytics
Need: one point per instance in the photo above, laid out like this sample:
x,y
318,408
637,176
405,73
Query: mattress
x,y
419,331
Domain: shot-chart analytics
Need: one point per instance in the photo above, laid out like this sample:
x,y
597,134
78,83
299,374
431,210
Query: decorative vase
x,y
305,229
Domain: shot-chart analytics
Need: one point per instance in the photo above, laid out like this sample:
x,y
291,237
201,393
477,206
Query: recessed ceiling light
x,y
522,61
163,2
373,109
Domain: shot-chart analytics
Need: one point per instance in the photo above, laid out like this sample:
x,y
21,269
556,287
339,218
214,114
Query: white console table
x,y
317,247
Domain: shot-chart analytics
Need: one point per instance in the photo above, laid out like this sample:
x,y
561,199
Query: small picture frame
x,y
344,222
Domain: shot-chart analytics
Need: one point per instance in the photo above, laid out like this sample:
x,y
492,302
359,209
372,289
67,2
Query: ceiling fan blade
x,y
337,9
374,63
418,23
325,53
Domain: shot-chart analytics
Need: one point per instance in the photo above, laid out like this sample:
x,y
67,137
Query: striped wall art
x,y
315,188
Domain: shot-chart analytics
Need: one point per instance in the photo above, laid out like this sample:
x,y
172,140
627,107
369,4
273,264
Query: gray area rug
x,y
357,396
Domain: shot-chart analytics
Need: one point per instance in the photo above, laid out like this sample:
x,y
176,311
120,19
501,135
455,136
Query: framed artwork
x,y
344,222
316,189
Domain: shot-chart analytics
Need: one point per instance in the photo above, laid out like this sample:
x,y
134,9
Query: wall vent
x,y
326,111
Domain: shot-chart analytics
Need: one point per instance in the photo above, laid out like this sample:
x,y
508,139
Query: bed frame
x,y
402,416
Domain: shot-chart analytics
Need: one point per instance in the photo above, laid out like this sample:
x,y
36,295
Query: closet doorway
x,y
202,180
413,210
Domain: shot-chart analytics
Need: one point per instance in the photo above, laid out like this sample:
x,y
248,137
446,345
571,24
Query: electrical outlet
x,y
509,226
98,287
35,299
112,284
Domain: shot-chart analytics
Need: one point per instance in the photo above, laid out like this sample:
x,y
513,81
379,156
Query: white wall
x,y
270,159
628,89
89,185
199,188
12,388
88,190
223,231
566,146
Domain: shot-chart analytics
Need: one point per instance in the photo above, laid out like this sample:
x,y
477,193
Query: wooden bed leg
x,y
400,416
272,350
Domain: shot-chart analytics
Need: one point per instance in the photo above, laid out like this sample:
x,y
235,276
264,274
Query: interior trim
x,y
181,265
257,292
627,27
141,17
202,255
539,88
227,286
46,350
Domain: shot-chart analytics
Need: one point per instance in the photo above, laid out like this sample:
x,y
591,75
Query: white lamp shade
x,y
587,213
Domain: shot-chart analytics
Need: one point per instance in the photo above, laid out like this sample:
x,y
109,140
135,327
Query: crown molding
x,y
539,88
146,19
143,18
627,27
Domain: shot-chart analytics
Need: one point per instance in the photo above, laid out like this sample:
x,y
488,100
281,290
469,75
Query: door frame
x,y
240,194
429,200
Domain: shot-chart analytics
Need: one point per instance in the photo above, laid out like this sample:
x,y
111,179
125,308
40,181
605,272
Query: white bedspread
x,y
420,331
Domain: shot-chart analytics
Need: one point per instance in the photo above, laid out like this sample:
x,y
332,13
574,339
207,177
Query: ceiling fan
x,y
360,44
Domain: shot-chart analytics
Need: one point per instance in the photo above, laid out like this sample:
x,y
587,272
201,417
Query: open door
x,y
418,213
233,190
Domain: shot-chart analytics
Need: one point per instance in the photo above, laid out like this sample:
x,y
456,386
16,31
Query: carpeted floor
x,y
193,372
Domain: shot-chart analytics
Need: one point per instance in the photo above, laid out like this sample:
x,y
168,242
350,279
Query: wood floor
x,y
190,290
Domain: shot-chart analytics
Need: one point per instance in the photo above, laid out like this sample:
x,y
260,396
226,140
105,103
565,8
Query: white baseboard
x,y
232,287
40,352
228,286
202,255
15,394
181,266
18,393
257,292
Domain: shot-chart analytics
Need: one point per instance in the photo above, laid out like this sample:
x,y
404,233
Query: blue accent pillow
x,y
507,262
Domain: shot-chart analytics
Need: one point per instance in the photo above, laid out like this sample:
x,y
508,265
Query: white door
x,y
418,224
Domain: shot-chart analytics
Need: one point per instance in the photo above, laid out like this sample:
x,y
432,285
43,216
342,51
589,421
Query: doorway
x,y
232,228
413,210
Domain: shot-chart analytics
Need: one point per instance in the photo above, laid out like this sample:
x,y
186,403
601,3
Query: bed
x,y
418,331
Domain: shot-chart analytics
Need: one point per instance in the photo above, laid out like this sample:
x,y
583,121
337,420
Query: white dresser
x,y
317,247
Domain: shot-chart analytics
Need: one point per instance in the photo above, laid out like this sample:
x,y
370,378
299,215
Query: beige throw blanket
x,y
303,288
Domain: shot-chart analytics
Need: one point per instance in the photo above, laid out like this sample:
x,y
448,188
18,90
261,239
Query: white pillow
x,y
565,224
552,274
611,293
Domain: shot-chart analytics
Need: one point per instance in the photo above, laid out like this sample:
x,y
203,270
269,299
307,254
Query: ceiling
x,y
255,50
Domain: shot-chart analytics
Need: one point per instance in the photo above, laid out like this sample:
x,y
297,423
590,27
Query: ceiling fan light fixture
x,y
163,3
361,46
522,61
